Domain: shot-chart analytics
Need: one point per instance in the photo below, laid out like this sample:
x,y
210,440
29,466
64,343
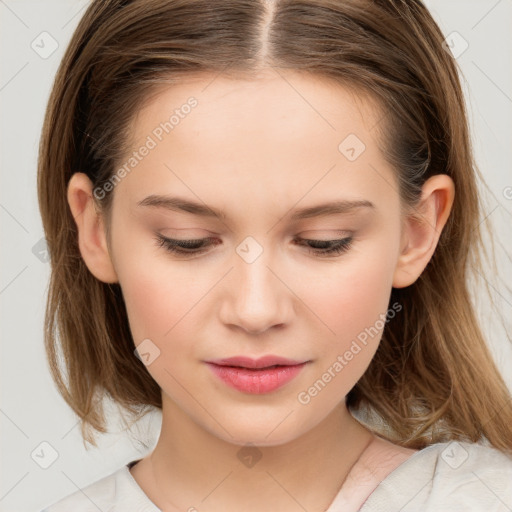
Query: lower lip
x,y
256,381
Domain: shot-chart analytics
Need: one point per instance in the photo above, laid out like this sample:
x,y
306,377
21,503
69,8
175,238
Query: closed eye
x,y
191,247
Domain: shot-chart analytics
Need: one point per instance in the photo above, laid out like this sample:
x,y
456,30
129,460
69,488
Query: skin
x,y
258,150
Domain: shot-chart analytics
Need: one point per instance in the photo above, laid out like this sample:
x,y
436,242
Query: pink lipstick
x,y
256,376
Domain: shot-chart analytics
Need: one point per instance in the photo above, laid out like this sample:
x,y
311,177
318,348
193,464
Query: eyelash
x,y
183,247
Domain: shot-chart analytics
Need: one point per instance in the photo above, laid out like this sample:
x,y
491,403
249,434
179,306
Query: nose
x,y
256,297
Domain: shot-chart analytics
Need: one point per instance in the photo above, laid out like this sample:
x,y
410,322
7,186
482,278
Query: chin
x,y
261,433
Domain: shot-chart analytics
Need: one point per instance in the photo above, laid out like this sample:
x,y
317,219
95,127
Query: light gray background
x,y
31,410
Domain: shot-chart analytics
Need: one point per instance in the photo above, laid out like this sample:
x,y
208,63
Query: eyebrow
x,y
184,205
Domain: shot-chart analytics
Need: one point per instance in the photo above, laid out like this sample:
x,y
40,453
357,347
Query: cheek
x,y
352,302
351,294
157,294
158,303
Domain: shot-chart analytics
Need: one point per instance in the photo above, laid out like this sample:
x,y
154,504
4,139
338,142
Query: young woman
x,y
262,217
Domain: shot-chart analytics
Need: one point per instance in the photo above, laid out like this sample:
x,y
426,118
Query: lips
x,y
262,362
256,376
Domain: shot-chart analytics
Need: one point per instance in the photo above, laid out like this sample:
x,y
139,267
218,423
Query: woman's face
x,y
268,155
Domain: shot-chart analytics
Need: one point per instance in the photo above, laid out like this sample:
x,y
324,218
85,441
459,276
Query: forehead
x,y
282,132
283,102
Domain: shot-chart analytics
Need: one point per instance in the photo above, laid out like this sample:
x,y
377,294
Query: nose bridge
x,y
257,296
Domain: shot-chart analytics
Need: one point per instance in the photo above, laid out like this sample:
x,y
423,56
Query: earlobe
x,y
91,233
421,230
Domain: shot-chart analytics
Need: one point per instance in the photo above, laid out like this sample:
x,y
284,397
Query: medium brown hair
x,y
432,378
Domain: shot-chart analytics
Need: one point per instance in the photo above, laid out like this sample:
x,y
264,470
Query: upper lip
x,y
262,362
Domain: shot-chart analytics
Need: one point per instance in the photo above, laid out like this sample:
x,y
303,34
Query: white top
x,y
451,476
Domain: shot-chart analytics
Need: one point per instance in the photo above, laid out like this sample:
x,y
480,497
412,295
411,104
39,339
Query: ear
x,y
421,230
91,233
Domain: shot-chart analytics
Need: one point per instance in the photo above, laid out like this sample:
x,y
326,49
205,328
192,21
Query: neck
x,y
190,467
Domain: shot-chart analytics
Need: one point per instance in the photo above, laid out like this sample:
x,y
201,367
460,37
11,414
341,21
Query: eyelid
x,y
330,233
179,247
